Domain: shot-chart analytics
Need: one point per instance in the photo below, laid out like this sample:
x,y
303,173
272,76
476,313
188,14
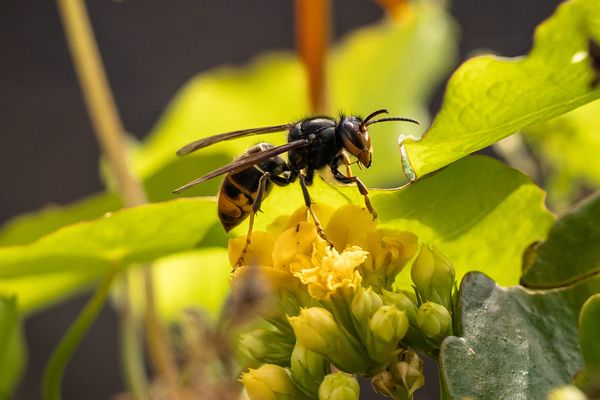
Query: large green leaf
x,y
489,98
133,235
569,146
468,210
571,252
513,343
29,227
41,290
12,347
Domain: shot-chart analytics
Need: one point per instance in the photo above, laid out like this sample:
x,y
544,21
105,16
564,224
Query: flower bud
x,y
403,302
386,328
434,320
265,346
316,330
383,383
433,275
339,386
408,372
389,323
270,382
308,369
364,304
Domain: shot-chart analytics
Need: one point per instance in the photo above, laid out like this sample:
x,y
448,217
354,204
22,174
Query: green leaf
x,y
62,353
198,278
133,235
42,290
270,91
571,251
29,227
12,347
489,98
514,343
589,327
466,210
569,146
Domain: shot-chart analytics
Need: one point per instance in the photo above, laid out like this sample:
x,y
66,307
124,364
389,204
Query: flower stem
x,y
110,134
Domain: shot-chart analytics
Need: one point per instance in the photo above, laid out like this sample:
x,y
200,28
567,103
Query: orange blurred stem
x,y
398,10
312,37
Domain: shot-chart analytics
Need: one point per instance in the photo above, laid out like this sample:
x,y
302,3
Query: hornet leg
x,y
359,184
308,203
262,184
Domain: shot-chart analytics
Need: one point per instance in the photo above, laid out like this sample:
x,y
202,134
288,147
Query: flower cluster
x,y
336,310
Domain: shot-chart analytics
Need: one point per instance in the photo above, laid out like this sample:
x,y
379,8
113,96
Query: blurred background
x,y
48,154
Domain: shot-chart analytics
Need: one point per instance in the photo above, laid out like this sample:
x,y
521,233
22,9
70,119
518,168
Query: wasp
x,y
312,144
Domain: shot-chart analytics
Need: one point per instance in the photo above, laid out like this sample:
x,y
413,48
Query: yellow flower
x,y
269,382
389,250
361,253
259,252
326,271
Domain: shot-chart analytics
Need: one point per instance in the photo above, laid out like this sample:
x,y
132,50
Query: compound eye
x,y
356,141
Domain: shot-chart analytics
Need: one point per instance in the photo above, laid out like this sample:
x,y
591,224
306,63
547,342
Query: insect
x,y
313,144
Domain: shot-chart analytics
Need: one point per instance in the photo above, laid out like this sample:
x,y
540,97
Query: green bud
x,y
270,382
389,323
308,369
339,386
316,330
408,372
386,328
433,275
265,346
364,305
403,302
434,320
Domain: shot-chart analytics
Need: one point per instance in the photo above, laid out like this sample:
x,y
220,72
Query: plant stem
x,y
312,37
62,353
110,134
398,10
98,98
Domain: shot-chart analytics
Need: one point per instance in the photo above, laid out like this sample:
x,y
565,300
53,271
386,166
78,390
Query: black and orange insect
x,y
313,144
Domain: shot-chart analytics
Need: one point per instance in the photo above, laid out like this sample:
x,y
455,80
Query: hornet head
x,y
355,137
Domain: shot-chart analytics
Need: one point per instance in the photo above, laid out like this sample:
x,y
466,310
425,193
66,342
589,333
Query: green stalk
x,y
72,339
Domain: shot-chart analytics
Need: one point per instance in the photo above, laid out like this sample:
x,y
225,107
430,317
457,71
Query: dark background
x,y
48,153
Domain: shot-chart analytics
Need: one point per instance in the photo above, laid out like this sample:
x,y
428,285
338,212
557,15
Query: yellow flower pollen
x,y
327,270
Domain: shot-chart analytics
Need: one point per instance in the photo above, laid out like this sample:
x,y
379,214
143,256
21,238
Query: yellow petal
x,y
259,252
